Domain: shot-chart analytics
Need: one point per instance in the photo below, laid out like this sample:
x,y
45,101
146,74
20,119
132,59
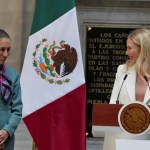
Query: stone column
x,y
28,13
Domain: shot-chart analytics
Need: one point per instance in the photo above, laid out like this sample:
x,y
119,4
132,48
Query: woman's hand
x,y
3,136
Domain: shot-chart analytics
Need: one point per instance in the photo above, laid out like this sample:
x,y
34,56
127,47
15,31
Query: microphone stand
x,y
117,101
147,81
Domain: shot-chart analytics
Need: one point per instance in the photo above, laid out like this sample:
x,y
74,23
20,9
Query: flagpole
x,y
34,145
54,37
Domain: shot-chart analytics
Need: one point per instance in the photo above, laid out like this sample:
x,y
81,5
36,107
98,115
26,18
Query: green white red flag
x,y
52,79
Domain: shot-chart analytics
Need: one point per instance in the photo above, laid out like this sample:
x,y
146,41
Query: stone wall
x,y
114,3
111,13
28,11
11,20
16,18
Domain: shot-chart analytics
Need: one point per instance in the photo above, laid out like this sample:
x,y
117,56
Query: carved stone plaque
x,y
105,51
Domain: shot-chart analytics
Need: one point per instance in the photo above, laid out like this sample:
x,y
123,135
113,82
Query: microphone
x,y
147,81
117,101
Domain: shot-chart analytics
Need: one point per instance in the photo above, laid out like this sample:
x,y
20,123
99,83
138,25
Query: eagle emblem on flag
x,y
53,62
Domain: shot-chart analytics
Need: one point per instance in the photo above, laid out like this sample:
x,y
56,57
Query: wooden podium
x,y
105,120
102,114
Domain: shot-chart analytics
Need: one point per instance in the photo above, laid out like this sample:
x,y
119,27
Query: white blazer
x,y
127,93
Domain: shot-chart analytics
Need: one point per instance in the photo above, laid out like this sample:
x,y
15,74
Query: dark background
x,y
105,50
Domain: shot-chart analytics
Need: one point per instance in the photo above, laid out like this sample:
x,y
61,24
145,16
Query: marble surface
x,y
23,138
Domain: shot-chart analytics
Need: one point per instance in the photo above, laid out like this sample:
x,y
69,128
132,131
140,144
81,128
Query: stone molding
x,y
114,3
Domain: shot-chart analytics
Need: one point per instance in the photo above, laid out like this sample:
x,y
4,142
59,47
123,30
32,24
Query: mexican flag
x,y
52,79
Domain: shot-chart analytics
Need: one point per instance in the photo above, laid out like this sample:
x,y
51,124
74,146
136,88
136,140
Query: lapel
x,y
130,83
147,95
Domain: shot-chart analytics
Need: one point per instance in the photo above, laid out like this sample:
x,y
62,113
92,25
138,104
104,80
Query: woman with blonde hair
x,y
135,76
136,68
